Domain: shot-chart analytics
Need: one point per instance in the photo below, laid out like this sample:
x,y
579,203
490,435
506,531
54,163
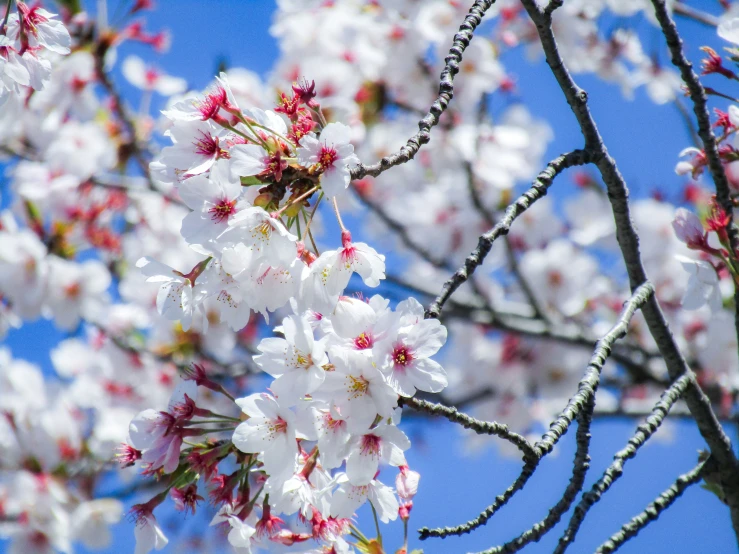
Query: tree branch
x,y
653,511
577,404
478,426
589,383
628,241
538,190
580,468
446,92
615,470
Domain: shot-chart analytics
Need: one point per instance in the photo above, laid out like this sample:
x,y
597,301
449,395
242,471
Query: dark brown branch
x,y
653,511
628,241
446,92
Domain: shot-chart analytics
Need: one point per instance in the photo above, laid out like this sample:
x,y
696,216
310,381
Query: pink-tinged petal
x,y
247,160
347,500
426,337
363,461
429,376
254,435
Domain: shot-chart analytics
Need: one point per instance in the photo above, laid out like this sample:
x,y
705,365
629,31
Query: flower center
x,y
363,341
304,361
208,145
402,356
370,445
221,211
357,386
327,157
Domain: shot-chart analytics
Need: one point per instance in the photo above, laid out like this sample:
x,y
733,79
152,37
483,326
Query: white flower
x,y
333,153
703,285
77,290
249,159
729,30
333,436
197,145
176,299
215,201
404,355
348,498
296,361
384,442
148,78
40,29
266,235
91,521
270,430
357,389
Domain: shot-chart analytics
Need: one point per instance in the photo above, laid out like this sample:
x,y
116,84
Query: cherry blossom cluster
x,y
29,40
212,241
313,447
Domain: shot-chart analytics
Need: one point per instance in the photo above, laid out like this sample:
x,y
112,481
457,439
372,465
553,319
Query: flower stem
x,y
377,524
338,215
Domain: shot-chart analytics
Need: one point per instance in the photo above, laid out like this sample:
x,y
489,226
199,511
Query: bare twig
x,y
489,218
628,241
695,14
578,404
653,511
446,92
579,470
538,190
615,470
469,422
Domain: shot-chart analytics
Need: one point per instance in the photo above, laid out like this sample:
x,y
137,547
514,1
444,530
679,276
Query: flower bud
x,y
688,228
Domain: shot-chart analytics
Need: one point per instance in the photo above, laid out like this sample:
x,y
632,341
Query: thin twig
x,y
577,404
580,468
468,422
538,190
628,241
489,218
446,92
653,511
615,470
695,14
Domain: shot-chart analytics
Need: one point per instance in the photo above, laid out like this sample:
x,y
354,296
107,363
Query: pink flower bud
x,y
406,483
405,510
688,228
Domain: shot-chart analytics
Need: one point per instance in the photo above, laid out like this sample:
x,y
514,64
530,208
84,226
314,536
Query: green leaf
x,y
250,181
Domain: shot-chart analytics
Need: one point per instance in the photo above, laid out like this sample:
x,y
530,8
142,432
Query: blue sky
x,y
645,140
